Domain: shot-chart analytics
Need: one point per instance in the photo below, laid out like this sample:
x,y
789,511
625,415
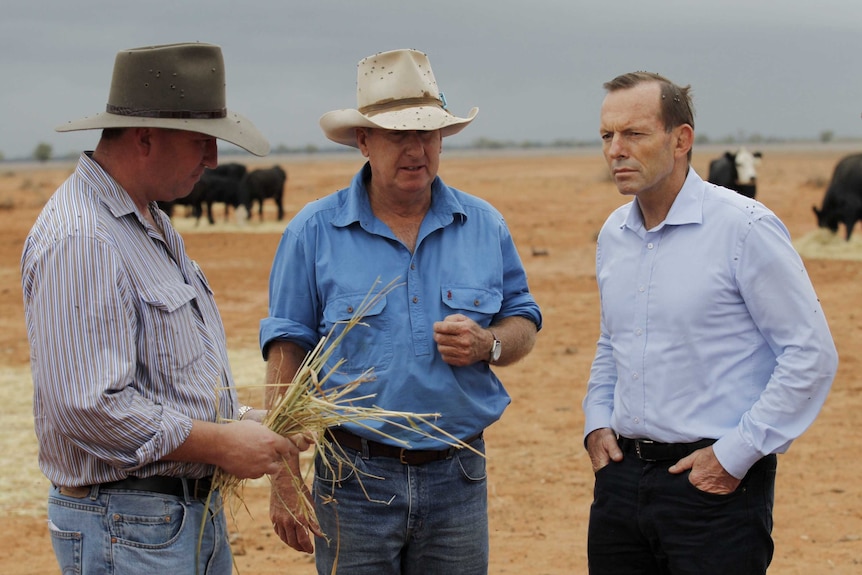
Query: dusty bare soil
x,y
540,478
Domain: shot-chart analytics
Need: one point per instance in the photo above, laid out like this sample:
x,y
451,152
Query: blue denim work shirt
x,y
465,262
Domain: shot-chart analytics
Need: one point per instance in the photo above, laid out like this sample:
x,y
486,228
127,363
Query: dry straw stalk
x,y
307,407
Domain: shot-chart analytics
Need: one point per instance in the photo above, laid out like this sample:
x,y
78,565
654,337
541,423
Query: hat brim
x,y
340,125
233,128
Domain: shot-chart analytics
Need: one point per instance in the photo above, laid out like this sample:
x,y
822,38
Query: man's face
x,y
638,150
180,158
402,161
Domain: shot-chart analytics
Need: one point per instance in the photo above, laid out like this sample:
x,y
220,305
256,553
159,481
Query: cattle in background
x,y
231,170
218,185
843,200
737,171
260,184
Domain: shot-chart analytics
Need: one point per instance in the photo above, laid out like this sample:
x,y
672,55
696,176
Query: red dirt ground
x,y
540,479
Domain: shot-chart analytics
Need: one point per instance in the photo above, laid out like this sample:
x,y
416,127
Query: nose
x,y
614,146
210,159
414,143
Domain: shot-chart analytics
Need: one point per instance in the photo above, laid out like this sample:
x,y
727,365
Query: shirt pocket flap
x,y
341,309
476,300
168,296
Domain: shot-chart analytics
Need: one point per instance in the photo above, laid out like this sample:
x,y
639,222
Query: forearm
x,y
518,336
205,443
283,360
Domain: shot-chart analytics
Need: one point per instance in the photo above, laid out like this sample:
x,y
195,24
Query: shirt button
x,y
639,331
635,375
641,289
475,302
636,420
415,299
649,246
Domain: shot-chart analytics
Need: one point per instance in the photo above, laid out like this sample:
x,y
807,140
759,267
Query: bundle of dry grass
x,y
307,407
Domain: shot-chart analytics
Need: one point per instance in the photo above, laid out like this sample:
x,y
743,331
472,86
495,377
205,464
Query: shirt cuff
x,y
735,454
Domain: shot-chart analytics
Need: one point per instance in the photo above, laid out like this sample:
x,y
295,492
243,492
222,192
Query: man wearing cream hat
x,y
462,306
132,385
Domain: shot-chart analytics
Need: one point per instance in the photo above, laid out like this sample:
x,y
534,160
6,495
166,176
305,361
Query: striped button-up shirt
x,y
126,344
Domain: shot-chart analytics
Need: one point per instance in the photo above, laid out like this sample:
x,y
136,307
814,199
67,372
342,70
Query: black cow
x,y
258,185
232,170
218,185
843,199
737,171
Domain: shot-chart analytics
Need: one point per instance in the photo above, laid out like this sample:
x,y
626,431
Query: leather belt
x,y
375,449
648,450
177,486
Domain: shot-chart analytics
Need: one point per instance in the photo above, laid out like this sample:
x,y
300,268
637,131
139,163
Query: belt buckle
x,y
638,443
402,456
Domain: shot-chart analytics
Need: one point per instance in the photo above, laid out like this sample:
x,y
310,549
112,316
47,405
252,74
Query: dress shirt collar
x,y
105,187
687,207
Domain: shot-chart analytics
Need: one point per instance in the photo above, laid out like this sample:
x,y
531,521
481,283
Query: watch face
x,y
495,352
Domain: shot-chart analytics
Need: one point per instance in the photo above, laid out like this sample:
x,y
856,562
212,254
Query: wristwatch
x,y
243,409
496,349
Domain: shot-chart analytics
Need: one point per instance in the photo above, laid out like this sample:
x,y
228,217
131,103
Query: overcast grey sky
x,y
783,68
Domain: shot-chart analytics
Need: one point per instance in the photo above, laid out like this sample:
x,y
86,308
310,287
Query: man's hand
x,y
707,474
603,447
244,449
286,509
461,341
257,415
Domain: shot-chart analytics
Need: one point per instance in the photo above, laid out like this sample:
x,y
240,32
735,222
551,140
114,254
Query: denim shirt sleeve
x,y
517,299
292,298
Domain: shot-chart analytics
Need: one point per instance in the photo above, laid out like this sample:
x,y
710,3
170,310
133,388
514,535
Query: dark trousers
x,y
646,521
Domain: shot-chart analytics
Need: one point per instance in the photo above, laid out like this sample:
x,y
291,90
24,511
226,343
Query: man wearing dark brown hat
x,y
134,400
406,502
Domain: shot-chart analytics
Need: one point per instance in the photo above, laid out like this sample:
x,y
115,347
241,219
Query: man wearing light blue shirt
x,y
714,353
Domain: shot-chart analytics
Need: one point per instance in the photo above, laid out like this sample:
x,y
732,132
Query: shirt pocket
x,y
479,304
169,336
368,345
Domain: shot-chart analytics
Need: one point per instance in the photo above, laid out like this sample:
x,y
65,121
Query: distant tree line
x,y
44,151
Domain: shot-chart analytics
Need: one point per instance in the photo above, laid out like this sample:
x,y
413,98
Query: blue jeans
x,y
647,521
382,517
134,532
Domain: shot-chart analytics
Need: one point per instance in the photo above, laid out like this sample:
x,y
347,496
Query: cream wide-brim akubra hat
x,y
395,90
175,86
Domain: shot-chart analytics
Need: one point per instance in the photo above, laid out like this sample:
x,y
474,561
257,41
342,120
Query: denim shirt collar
x,y
445,207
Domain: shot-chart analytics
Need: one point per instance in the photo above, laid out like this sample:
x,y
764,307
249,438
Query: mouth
x,y
623,171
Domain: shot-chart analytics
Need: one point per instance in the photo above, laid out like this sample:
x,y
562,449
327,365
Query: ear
x,y
684,139
362,141
143,140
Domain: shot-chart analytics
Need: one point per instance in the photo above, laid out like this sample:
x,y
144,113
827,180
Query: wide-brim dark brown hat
x,y
176,86
395,90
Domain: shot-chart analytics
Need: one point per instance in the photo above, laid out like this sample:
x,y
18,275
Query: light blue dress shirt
x,y
710,328
465,261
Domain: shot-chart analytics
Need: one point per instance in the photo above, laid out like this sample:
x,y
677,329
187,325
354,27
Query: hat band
x,y
178,114
373,109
